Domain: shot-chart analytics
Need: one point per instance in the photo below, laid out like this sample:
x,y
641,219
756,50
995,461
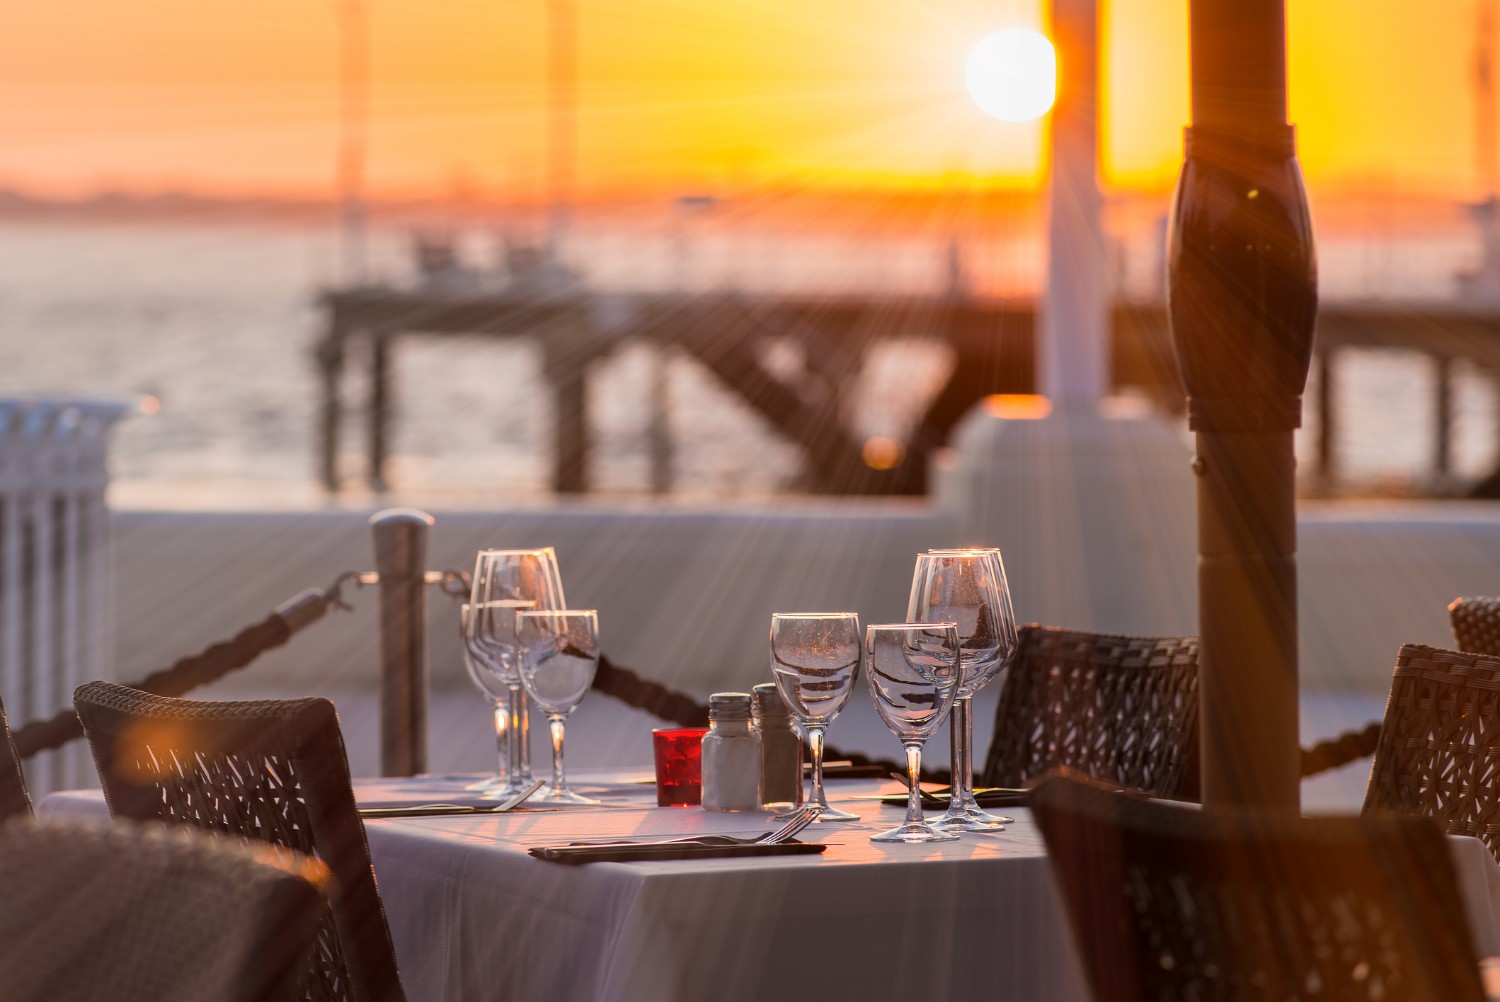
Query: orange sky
x,y
674,94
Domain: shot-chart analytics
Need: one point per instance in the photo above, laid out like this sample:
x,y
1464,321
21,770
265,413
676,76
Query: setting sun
x,y
1012,75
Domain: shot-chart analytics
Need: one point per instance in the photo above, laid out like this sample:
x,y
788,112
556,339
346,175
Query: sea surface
x,y
209,326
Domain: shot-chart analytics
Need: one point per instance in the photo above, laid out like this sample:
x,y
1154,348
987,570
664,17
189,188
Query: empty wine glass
x,y
493,688
967,587
501,579
814,660
559,655
912,671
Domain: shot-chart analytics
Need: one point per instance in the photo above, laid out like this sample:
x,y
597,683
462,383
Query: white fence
x,y
56,627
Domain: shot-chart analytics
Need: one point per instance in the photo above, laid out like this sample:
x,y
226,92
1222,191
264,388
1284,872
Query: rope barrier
x,y
196,670
616,681
1349,746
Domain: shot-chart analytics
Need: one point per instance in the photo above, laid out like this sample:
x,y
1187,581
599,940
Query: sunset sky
x,y
242,98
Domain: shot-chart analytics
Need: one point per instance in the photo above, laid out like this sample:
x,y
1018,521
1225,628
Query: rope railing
x,y
616,681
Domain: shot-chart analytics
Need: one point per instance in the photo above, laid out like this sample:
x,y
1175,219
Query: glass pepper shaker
x,y
780,751
731,755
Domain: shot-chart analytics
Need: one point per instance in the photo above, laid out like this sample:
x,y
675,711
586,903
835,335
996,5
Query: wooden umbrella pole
x,y
1242,300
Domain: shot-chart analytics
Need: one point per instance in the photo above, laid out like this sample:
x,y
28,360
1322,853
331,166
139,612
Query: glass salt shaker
x,y
780,751
731,755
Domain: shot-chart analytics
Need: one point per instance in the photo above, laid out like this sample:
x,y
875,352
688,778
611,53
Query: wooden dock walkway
x,y
728,333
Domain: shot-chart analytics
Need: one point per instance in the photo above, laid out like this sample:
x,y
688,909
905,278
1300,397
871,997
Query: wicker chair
x,y
273,770
1171,903
14,800
1437,753
1476,624
1121,709
145,914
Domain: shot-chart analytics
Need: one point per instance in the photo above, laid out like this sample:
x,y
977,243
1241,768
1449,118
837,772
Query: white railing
x,y
55,573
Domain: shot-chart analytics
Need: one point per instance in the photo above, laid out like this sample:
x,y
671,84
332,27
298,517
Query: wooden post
x,y
400,536
1242,300
1327,457
566,367
330,356
1442,458
380,403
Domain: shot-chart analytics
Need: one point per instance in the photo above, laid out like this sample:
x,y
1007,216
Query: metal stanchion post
x,y
401,561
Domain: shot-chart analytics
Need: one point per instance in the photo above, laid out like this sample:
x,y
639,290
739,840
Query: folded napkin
x,y
642,851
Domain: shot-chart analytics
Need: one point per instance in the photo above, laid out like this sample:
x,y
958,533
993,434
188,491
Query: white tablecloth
x,y
473,917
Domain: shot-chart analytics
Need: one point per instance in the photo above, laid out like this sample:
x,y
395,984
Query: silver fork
x,y
794,823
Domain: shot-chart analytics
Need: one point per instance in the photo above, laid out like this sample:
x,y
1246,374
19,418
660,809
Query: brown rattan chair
x,y
1476,624
1121,709
142,913
15,801
273,770
1437,754
1170,902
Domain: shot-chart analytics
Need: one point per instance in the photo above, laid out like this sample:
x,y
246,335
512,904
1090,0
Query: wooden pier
x,y
728,334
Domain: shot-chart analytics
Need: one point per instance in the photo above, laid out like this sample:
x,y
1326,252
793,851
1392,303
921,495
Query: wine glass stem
x,y
502,737
815,745
520,736
559,781
962,726
913,775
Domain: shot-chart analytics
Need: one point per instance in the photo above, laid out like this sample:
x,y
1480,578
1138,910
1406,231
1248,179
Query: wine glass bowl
x,y
559,656
912,670
493,688
968,588
504,582
815,659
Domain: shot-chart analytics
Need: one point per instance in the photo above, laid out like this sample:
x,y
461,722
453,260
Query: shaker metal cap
x,y
768,704
729,706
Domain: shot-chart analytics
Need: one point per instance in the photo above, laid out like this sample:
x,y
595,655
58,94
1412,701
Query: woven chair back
x,y
1437,753
1121,709
1476,624
15,801
271,770
1168,902
145,914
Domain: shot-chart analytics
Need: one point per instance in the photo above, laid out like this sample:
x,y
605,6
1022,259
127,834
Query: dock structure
x,y
992,341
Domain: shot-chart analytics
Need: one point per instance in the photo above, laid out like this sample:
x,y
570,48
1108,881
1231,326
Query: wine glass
x,y
967,587
559,655
814,660
507,577
912,670
493,688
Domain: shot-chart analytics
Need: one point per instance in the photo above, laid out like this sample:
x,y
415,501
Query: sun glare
x,y
1012,75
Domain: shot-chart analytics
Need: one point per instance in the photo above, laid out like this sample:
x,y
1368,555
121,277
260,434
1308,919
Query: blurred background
x,y
182,183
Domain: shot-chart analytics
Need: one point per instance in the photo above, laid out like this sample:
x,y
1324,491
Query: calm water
x,y
215,321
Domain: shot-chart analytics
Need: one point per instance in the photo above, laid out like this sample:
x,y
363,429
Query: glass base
x,y
971,820
508,789
834,814
914,832
552,796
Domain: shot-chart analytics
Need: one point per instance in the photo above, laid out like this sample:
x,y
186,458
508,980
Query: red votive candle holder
x,y
679,761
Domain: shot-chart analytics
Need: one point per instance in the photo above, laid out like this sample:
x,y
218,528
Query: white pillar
x,y
1093,510
1073,319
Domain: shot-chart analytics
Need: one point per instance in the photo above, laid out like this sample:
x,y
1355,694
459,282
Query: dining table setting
x,y
729,867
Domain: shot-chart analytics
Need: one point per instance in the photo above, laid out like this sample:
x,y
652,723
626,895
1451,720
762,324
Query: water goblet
x,y
512,576
559,655
912,670
814,660
967,587
495,692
